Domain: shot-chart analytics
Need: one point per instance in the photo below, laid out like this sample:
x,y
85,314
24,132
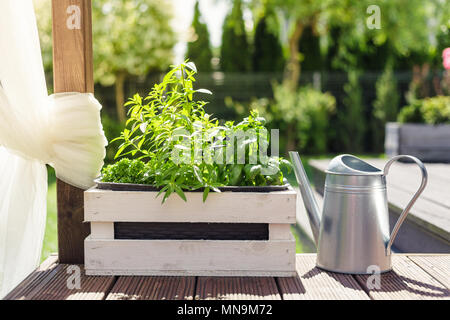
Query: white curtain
x,y
63,130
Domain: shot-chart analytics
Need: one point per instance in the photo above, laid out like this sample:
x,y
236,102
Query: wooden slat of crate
x,y
102,230
437,266
312,283
190,257
233,207
153,288
34,280
406,281
232,288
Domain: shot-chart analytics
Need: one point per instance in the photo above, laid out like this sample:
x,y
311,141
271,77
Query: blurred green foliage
x,y
331,36
311,55
385,106
303,115
235,54
198,47
434,110
351,119
112,129
132,37
267,51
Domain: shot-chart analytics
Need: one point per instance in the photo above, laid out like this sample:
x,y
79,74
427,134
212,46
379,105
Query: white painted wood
x,y
238,207
280,231
102,230
187,273
193,257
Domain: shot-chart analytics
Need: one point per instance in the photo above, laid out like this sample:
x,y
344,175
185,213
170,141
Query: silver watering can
x,y
352,233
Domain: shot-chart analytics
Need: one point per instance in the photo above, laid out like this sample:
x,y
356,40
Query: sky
x,y
213,14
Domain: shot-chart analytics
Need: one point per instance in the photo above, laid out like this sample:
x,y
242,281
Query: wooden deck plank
x,y
427,214
152,288
406,281
415,276
51,284
236,288
313,283
56,286
438,266
34,280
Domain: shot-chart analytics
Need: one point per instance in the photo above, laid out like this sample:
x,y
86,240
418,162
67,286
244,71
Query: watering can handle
x,y
412,201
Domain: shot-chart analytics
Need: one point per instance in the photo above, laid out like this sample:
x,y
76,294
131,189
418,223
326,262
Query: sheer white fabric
x,y
63,130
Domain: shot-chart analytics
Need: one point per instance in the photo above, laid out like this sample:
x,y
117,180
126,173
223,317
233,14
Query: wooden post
x,y
72,71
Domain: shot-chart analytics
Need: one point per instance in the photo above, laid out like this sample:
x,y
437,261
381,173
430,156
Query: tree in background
x,y
267,52
130,38
351,115
309,46
199,48
403,34
235,52
385,106
405,30
300,15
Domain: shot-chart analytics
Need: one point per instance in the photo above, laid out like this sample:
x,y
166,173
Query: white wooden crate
x,y
105,255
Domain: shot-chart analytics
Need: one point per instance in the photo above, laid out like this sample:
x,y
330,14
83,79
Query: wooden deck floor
x,y
414,276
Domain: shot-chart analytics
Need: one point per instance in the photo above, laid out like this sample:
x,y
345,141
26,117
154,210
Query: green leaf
x,y
120,150
204,91
205,193
191,66
180,193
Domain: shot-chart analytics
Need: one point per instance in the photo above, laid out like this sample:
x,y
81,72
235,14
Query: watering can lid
x,y
351,165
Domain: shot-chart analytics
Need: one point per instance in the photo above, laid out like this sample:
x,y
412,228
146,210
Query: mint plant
x,y
176,146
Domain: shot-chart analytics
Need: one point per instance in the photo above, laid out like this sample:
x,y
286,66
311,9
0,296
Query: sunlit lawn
x,y
51,235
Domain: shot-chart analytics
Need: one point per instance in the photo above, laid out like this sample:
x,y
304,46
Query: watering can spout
x,y
312,209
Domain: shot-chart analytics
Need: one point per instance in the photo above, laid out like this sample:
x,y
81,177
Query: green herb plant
x,y
176,146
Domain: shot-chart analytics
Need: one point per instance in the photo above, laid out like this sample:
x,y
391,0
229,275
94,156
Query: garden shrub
x,y
385,106
112,129
302,116
411,113
235,53
435,110
351,119
314,108
199,48
267,53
